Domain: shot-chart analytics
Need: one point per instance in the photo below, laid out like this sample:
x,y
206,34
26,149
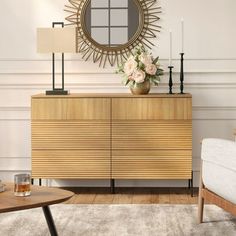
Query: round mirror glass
x,y
111,23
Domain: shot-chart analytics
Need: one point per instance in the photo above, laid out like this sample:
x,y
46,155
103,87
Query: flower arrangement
x,y
140,67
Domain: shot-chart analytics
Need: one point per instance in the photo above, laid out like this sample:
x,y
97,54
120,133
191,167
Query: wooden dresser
x,y
112,136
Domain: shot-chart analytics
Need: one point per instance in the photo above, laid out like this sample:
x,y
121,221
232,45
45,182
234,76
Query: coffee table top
x,y
40,196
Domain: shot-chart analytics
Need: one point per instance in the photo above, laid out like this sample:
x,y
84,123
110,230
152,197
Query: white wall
x,y
210,36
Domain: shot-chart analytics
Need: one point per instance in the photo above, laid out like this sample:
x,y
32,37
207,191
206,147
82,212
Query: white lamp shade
x,y
57,40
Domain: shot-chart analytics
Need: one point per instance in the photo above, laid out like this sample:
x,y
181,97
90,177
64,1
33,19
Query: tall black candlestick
x,y
182,73
170,79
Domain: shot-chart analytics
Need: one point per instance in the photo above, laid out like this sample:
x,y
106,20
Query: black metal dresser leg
x,y
192,185
112,186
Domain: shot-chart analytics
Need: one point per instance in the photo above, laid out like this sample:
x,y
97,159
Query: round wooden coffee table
x,y
40,197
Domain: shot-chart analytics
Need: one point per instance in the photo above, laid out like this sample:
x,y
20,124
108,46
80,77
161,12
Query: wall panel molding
x,y
13,164
14,113
15,171
82,67
15,157
111,86
5,109
24,72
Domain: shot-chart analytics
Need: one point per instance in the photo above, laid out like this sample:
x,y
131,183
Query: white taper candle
x,y
170,58
182,35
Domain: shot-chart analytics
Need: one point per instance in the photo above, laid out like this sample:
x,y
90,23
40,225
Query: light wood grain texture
x,y
151,164
70,108
71,164
155,134
103,199
151,109
70,138
219,201
132,196
40,196
101,136
177,196
200,198
158,124
114,95
122,198
70,135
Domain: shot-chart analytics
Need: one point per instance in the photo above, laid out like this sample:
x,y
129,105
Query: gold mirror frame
x,y
146,31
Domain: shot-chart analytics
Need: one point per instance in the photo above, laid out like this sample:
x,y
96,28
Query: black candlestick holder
x,y
170,79
182,73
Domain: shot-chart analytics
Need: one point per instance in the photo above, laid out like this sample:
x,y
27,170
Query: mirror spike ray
x,y
108,30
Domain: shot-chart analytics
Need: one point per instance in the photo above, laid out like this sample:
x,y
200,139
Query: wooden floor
x,y
132,196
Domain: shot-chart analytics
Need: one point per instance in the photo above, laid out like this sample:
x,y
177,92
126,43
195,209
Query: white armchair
x,y
218,175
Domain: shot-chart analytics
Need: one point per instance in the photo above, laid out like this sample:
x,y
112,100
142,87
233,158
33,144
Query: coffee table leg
x,y
50,221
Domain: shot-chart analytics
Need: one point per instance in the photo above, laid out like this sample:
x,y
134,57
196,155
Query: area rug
x,y
120,220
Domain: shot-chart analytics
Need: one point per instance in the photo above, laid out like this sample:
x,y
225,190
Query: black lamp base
x,y
57,92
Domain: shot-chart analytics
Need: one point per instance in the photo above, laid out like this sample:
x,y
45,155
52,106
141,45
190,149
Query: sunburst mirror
x,y
108,30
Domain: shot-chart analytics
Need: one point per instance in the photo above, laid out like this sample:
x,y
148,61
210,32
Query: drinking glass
x,y
22,185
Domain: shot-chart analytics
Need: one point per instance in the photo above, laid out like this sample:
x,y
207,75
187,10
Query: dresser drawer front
x,y
70,109
71,135
151,164
151,108
107,136
152,135
71,164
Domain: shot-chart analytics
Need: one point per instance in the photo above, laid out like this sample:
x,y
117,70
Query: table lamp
x,y
57,40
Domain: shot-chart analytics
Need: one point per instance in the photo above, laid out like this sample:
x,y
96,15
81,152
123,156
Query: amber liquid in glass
x,y
22,189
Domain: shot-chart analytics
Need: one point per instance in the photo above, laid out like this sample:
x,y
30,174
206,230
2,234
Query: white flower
x,y
145,59
158,64
139,76
151,69
130,66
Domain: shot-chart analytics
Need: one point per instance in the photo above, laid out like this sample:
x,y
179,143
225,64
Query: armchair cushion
x,y
219,167
220,152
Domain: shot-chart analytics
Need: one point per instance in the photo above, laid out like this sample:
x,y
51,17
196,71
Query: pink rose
x,y
130,77
145,59
139,76
130,66
151,69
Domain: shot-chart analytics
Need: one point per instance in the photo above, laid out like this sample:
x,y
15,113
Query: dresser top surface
x,y
114,95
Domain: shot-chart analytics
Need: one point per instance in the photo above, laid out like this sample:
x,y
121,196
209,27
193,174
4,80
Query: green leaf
x,y
159,72
127,82
156,60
